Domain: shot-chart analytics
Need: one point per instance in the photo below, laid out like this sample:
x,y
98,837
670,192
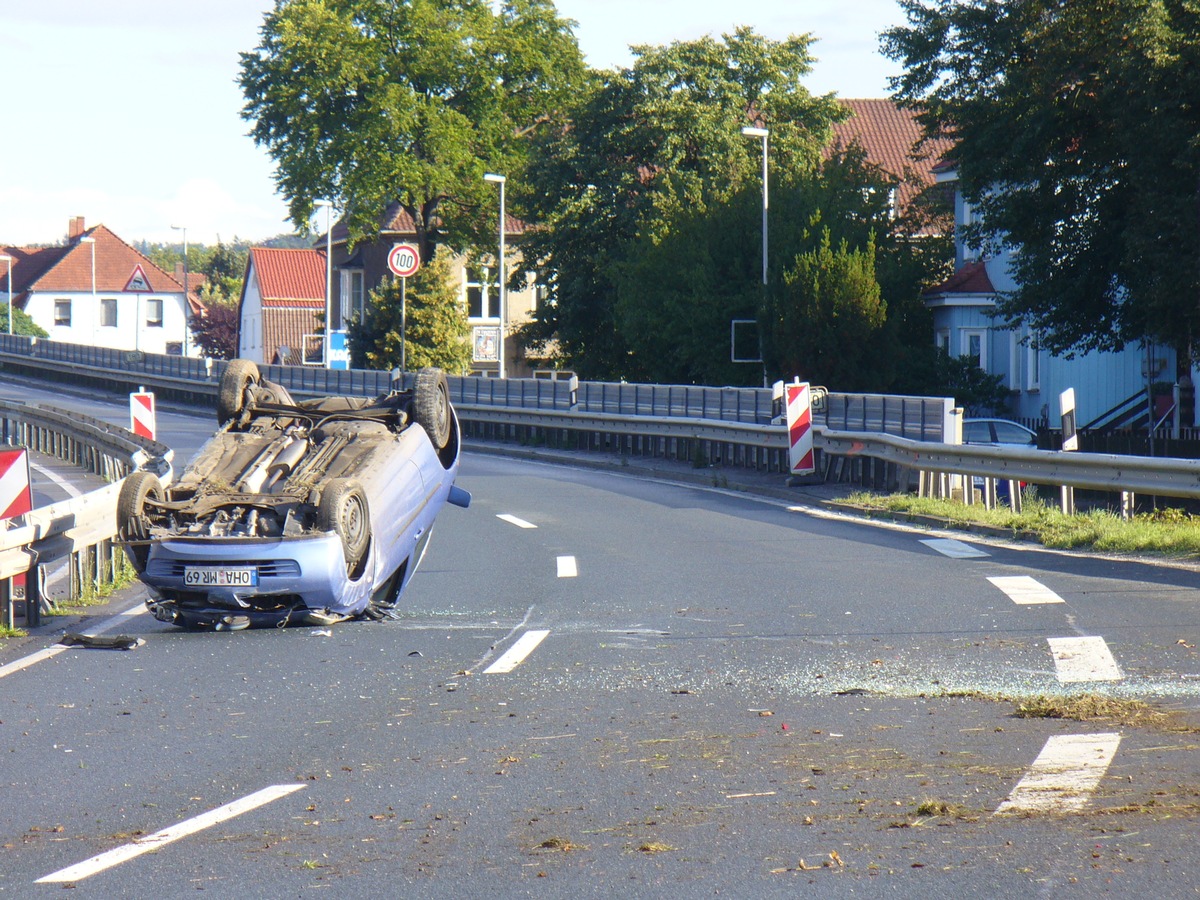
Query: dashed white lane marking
x,y
107,625
567,567
63,485
953,549
1084,659
513,520
1025,590
516,653
1064,774
118,855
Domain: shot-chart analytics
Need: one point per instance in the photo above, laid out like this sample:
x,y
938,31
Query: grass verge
x,y
1165,532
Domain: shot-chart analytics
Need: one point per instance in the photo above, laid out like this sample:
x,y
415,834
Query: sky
x,y
127,112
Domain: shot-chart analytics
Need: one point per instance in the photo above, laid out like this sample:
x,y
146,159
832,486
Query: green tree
x,y
436,324
1076,142
22,323
374,101
650,147
821,323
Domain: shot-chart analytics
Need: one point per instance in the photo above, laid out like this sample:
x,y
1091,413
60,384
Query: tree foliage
x,y
1076,129
216,331
373,101
654,160
821,323
23,324
436,332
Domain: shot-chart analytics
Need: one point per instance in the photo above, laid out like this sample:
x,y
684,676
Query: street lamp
x,y
187,303
328,204
92,241
9,260
500,180
762,133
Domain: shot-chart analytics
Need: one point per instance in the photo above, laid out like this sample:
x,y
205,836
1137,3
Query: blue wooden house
x,y
1110,388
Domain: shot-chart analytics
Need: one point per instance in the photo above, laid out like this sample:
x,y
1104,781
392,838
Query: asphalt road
x,y
714,694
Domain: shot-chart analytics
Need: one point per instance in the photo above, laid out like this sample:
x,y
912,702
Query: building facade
x,y
99,291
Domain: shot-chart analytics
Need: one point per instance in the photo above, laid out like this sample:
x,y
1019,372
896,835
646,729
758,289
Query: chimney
x,y
75,227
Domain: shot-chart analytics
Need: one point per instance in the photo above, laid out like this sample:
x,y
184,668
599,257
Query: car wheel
x,y
231,400
343,510
431,405
132,523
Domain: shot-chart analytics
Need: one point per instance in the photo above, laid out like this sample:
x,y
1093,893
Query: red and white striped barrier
x,y
141,414
799,421
16,499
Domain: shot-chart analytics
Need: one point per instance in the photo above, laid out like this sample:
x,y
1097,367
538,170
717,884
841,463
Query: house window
x,y
108,312
1033,365
975,348
154,313
352,296
62,312
482,300
942,341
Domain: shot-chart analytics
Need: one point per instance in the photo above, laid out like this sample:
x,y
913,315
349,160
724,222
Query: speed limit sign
x,y
404,260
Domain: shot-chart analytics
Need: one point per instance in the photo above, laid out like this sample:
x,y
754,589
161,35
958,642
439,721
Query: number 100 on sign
x,y
404,260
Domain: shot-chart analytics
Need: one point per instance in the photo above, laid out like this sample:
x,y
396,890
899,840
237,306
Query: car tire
x,y
343,510
431,405
132,524
231,399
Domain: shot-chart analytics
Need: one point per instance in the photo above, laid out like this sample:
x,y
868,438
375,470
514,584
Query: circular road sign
x,y
404,260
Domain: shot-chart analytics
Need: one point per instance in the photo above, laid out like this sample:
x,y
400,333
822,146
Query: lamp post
x,y
500,180
762,133
187,303
9,260
92,241
328,204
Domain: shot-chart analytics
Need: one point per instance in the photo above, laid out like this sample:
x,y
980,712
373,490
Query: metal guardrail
x,y
78,531
1098,471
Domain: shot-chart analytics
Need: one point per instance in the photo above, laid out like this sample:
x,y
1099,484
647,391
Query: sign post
x,y
404,260
137,284
1070,442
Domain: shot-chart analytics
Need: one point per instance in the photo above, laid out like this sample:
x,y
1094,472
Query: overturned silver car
x,y
308,512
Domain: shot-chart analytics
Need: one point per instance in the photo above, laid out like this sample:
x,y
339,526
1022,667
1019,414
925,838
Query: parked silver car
x,y
295,512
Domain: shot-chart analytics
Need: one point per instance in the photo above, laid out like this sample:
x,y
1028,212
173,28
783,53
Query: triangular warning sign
x,y
137,282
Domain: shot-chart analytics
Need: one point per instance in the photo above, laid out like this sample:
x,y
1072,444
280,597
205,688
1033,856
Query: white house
x,y
99,291
282,306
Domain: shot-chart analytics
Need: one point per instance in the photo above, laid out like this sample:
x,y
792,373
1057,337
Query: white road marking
x,y
567,567
953,549
1024,590
1064,774
516,653
513,520
63,484
1084,659
118,855
107,625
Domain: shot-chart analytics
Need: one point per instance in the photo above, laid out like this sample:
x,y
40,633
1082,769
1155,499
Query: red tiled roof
x,y
290,277
396,222
890,135
970,279
69,268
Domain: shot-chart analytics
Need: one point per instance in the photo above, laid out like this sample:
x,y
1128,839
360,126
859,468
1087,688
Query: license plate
x,y
220,576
